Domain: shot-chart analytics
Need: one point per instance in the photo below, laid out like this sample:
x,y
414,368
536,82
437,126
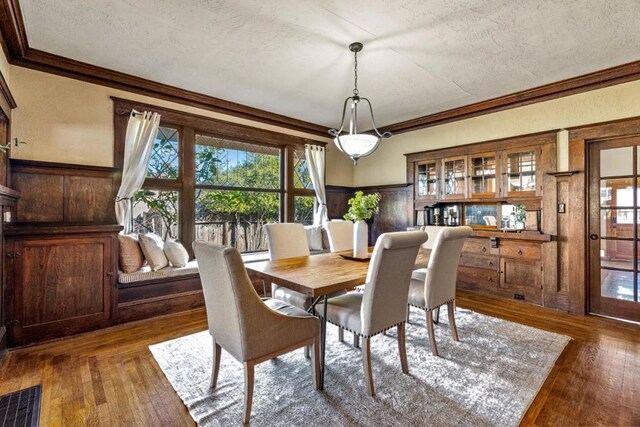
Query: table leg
x,y
264,288
323,340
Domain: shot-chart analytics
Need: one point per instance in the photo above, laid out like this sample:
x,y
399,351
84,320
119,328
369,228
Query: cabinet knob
x,y
519,251
484,249
490,279
491,263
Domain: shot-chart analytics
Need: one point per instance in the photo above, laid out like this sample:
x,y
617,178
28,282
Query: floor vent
x,y
21,408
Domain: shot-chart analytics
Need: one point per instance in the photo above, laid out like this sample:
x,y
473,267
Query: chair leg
x,y
432,334
307,354
451,308
341,334
402,348
315,361
356,341
248,390
215,364
366,364
436,312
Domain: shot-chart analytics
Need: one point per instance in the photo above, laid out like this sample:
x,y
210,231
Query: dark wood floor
x,y
109,377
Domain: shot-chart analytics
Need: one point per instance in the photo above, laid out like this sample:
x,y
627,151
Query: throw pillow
x,y
129,254
151,245
314,237
176,253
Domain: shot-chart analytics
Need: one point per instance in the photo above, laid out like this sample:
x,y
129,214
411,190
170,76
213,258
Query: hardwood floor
x,y
109,377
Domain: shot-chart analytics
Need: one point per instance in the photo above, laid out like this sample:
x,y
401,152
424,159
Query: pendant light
x,y
352,143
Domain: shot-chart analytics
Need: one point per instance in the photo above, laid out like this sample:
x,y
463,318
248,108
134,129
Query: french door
x,y
614,214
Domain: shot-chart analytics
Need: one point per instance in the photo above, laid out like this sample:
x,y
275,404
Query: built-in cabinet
x,y
483,181
59,280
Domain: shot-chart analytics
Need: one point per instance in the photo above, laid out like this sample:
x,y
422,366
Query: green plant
x,y
520,213
362,207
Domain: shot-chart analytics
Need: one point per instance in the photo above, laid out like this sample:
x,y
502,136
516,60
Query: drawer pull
x,y
519,251
489,279
484,249
490,263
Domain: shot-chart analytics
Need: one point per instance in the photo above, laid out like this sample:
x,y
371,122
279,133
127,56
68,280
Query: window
x,y
238,190
217,181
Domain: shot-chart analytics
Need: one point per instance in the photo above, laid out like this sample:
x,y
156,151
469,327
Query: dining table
x,y
319,276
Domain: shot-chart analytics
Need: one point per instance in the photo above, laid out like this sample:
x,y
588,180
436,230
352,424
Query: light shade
x,y
357,145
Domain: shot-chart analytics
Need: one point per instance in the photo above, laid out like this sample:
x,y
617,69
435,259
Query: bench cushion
x,y
145,273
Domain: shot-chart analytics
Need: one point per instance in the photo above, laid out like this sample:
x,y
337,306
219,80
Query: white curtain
x,y
315,156
141,133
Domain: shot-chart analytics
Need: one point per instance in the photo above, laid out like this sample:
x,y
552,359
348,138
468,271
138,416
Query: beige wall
x,y
387,165
70,121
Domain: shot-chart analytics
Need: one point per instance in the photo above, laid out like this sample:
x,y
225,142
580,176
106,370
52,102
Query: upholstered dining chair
x,y
248,328
383,304
435,286
340,235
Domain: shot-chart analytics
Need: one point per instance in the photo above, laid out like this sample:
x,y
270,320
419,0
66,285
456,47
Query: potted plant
x,y
520,213
361,208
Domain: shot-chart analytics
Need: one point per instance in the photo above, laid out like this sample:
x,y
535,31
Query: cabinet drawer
x,y
480,261
521,250
478,278
479,246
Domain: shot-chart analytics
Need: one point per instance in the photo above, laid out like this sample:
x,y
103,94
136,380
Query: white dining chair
x,y
248,328
288,240
435,286
383,303
340,235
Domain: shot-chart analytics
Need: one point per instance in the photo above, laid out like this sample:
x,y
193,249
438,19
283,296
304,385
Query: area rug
x,y
489,377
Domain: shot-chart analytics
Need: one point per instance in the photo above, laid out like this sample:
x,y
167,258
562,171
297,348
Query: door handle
x,y
594,236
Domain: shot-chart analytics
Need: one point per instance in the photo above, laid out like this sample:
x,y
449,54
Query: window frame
x,y
188,125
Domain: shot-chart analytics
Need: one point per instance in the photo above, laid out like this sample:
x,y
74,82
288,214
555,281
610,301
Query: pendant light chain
x,y
355,73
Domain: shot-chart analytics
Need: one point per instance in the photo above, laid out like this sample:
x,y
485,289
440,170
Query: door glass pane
x,y
616,284
616,192
303,209
616,253
422,180
616,162
165,155
616,223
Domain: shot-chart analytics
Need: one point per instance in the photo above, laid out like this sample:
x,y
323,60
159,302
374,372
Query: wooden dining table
x,y
319,276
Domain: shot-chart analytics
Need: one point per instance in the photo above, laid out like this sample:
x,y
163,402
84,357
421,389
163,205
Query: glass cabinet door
x,y
483,175
454,173
427,180
521,171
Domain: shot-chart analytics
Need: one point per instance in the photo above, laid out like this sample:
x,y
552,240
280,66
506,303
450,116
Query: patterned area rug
x,y
490,377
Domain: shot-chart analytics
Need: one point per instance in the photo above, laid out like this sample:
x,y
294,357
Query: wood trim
x,y
18,52
21,165
571,86
214,127
7,102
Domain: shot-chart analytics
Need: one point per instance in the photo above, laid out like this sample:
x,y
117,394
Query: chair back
x,y
442,271
386,292
432,231
340,235
234,309
286,240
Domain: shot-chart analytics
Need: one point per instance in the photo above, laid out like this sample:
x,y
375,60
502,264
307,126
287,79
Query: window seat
x,y
145,274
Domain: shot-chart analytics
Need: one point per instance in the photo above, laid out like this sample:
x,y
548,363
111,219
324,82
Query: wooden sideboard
x,y
512,171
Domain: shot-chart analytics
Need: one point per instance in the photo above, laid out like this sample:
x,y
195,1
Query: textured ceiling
x,y
291,56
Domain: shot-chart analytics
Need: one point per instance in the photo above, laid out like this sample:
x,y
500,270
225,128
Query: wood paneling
x,y
41,197
394,202
89,199
63,193
337,198
59,284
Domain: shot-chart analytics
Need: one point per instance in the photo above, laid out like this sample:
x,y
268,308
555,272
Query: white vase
x,y
360,240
